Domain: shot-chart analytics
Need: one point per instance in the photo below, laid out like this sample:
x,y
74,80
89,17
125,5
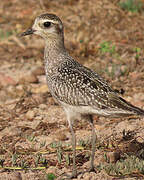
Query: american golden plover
x,y
79,90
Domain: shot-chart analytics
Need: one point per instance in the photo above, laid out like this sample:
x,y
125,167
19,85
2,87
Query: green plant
x,y
137,50
133,6
23,164
42,144
50,176
107,47
31,138
56,144
59,154
67,158
14,159
124,167
84,143
5,34
37,159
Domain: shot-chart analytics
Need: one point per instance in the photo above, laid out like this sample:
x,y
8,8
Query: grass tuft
x,y
133,6
50,176
107,47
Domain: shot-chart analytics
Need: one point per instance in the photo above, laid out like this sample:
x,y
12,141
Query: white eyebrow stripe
x,y
52,21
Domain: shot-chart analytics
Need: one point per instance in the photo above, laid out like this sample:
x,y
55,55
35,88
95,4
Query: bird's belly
x,y
84,109
88,110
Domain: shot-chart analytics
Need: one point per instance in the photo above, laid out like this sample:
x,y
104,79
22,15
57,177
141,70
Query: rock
x,y
11,176
43,106
113,156
41,89
61,135
52,170
17,176
51,101
30,115
3,96
6,80
39,71
10,131
31,78
135,76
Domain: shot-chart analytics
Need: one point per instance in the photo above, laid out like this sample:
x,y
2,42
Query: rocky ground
x,y
34,136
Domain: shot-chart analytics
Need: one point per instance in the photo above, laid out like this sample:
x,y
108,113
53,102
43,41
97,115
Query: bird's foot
x,y
92,169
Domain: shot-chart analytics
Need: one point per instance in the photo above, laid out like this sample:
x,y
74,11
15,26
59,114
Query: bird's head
x,y
47,26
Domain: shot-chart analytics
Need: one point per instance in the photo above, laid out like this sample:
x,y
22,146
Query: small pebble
x,y
38,71
43,106
6,80
31,78
113,156
30,115
41,89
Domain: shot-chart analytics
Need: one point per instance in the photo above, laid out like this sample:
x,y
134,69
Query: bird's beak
x,y
28,32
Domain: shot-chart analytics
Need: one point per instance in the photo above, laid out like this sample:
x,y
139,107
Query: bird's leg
x,y
70,118
73,140
94,137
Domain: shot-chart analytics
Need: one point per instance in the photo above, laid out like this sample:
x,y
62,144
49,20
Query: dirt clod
x,y
30,114
31,78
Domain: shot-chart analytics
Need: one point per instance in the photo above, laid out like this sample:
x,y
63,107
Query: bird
x,y
79,90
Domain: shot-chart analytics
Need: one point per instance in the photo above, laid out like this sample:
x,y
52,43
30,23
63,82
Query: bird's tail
x,y
137,110
123,104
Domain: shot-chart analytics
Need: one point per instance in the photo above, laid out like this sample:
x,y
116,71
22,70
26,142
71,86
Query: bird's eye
x,y
47,24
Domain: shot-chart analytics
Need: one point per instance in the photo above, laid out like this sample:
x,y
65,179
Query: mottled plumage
x,y
76,85
79,90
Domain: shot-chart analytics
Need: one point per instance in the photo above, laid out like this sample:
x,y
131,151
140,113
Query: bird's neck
x,y
54,45
54,51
